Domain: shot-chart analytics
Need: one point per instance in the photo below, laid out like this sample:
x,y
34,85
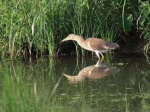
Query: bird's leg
x,y
102,57
98,64
97,53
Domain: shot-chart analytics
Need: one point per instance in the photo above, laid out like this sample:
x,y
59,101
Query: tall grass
x,y
39,25
43,24
144,22
28,23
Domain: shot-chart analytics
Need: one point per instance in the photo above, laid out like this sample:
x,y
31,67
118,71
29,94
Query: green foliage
x,y
144,21
44,23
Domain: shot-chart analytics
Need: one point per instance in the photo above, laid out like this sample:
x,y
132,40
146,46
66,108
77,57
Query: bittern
x,y
93,72
96,45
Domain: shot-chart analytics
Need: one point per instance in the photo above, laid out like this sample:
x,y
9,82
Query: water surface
x,y
69,84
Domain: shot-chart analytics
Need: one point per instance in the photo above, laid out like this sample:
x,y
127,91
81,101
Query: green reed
x,y
40,25
43,24
143,22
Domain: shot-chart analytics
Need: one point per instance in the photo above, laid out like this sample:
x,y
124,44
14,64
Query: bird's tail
x,y
113,45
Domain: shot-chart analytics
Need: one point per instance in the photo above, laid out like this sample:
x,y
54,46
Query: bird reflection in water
x,y
97,71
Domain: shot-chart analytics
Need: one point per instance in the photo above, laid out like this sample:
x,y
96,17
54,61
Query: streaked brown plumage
x,y
96,45
97,71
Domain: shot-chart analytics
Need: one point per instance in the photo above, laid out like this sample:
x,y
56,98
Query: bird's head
x,y
69,37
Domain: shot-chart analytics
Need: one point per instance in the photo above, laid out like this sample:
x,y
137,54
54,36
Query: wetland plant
x,y
37,26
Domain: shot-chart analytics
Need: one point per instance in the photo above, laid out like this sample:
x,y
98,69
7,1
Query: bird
x,y
93,72
93,44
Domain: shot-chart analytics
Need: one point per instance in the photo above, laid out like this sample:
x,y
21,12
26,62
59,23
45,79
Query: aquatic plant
x,y
143,22
37,26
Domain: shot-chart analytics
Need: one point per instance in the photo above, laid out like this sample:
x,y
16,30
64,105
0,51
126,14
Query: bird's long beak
x,y
67,76
65,39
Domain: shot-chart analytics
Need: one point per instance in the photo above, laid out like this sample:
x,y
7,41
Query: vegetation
x,y
144,22
38,26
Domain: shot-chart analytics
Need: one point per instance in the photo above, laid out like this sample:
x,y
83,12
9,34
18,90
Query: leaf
x,y
120,64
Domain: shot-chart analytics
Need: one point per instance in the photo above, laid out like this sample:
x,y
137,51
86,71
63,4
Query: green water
x,y
38,85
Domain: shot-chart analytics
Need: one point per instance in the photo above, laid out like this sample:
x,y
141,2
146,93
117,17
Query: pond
x,y
69,84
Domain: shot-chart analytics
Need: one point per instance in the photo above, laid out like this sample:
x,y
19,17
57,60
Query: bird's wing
x,y
96,44
86,71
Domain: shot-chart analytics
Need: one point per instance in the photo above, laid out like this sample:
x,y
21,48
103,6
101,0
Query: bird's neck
x,y
80,40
